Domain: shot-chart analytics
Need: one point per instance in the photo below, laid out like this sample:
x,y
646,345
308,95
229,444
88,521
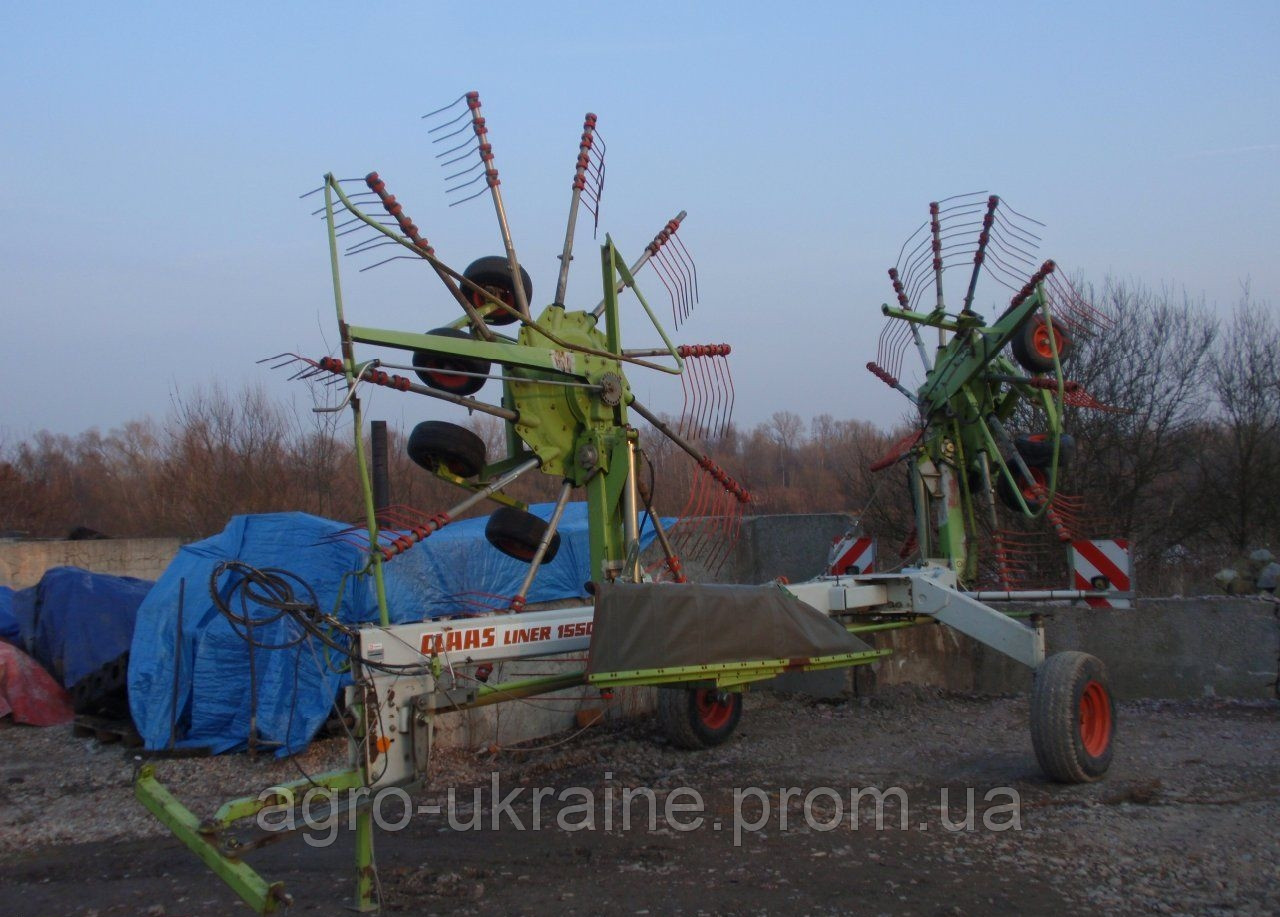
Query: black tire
x,y
104,691
1007,496
1031,345
517,534
698,717
1073,718
439,370
1036,449
495,271
435,443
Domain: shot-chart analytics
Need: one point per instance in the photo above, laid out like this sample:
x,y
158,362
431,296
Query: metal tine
x,y
718,396
921,263
689,271
388,261
368,245
695,424
1022,233
693,267
340,181
1008,275
671,292
445,108
449,162
926,238
471,197
364,225
319,211
690,407
722,397
450,135
897,349
1015,236
678,269
471,143
466,171
984,238
731,511
716,382
708,398
704,536
681,426
733,395
672,283
1021,216
678,278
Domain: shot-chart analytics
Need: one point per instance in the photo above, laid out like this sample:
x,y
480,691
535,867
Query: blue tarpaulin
x,y
454,570
9,629
74,622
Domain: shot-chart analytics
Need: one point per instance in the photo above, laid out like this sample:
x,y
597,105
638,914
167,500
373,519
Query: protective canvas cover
x,y
74,621
9,629
28,693
661,625
206,702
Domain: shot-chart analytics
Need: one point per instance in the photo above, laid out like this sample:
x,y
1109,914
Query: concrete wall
x,y
1171,648
794,546
22,563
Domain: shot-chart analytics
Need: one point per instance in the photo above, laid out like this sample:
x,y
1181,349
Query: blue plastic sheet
x,y
9,629
74,622
204,702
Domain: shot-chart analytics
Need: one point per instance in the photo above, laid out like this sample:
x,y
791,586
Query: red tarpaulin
x,y
29,692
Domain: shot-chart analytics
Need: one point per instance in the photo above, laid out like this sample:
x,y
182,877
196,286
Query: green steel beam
x,y
255,891
731,673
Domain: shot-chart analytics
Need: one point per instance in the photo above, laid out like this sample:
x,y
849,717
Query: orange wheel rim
x,y
449,380
1044,339
712,710
1095,719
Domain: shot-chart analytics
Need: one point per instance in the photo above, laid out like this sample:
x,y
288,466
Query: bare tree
x,y
1240,468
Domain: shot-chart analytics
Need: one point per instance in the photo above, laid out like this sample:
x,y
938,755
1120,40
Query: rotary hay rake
x,y
566,404
964,463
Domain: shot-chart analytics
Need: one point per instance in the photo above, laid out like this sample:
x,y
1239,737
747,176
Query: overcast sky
x,y
152,237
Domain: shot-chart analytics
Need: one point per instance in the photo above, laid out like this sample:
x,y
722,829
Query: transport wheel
x,y
1073,718
441,370
698,717
1004,490
517,534
494,273
435,443
1033,349
1036,449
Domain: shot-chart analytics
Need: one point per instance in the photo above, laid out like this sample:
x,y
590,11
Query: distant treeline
x,y
1188,469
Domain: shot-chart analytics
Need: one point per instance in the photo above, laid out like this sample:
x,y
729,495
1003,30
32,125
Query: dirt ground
x,y
1185,823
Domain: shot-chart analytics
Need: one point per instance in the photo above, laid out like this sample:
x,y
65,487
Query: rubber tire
x,y
436,442
1005,491
517,534
104,691
683,724
1056,732
434,368
1028,355
495,271
1037,449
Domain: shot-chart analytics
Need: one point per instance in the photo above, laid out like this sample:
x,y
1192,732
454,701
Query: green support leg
x,y
254,890
366,893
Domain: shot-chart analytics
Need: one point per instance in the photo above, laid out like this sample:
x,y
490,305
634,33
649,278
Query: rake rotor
x,y
962,453
565,398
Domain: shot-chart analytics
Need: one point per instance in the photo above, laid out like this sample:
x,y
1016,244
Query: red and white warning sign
x,y
1102,566
852,553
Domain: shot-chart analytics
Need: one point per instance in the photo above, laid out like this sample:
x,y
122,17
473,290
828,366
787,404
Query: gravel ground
x,y
1185,823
